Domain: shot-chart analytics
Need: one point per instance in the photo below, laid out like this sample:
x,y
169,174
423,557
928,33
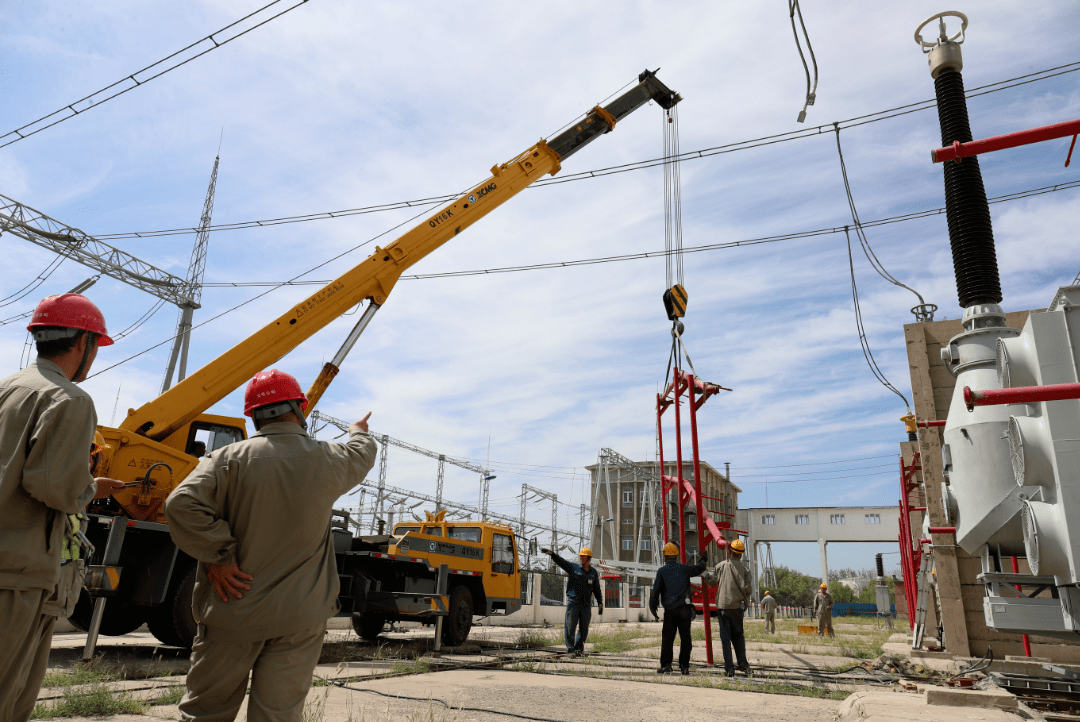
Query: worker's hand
x,y
601,612
106,487
545,551
228,579
360,425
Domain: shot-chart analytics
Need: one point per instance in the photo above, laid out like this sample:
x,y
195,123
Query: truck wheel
x,y
458,620
368,626
172,622
118,619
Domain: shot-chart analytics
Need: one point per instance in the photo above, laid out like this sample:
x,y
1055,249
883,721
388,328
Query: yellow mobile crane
x,y
153,448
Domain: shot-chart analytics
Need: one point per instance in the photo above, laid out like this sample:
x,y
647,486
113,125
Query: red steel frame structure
x,y
960,150
910,549
697,392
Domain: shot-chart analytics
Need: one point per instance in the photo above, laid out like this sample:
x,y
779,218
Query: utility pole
x,y
193,283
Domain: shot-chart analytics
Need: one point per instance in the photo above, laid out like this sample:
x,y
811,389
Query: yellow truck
x,y
144,578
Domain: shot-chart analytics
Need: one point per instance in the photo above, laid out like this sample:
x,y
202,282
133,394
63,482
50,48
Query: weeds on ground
x,y
81,673
172,696
94,701
411,666
534,639
315,710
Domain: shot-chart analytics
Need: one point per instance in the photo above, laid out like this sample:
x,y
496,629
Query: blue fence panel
x,y
841,609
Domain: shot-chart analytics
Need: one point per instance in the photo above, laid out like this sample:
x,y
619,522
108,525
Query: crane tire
x,y
172,622
368,626
119,618
458,621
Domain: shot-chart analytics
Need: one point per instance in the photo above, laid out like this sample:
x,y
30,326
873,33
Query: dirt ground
x,y
501,674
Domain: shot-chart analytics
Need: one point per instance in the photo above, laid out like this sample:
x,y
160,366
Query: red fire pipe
x,y
929,424
1021,395
960,150
942,530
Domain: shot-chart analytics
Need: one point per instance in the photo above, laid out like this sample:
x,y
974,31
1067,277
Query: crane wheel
x,y
368,626
118,619
172,622
459,617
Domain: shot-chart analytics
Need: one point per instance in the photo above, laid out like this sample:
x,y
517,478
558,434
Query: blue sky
x,y
339,105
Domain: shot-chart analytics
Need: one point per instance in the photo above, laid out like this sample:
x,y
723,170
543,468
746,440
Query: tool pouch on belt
x,y
72,570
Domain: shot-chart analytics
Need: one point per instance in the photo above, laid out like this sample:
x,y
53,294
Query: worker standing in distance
x,y
732,579
47,424
256,516
582,585
823,609
672,589
769,604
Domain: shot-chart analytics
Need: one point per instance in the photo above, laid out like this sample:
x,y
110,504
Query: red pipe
x,y
1027,642
917,508
960,150
927,424
1020,395
942,530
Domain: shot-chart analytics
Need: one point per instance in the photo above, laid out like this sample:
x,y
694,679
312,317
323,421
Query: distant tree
x,y
841,593
794,588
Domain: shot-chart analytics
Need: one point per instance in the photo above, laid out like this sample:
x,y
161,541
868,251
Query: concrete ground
x,y
400,678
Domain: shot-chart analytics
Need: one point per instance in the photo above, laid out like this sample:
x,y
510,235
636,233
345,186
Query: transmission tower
x,y
193,285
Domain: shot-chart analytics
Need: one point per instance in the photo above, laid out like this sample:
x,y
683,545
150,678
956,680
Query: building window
x,y
628,520
836,518
873,518
768,519
628,543
646,543
802,518
628,497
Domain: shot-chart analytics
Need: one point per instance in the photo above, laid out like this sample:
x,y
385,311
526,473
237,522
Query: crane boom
x,y
375,277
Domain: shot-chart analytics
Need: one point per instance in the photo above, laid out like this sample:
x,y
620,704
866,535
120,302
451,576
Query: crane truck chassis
x,y
136,574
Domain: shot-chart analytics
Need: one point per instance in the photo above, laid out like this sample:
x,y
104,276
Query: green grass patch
x,y
618,641
535,639
80,674
94,701
171,696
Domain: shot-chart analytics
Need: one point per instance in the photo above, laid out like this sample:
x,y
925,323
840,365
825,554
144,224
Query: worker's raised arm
x,y
195,509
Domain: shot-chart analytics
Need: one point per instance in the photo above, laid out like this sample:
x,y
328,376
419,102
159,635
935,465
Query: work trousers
x,y
578,617
770,622
280,670
25,639
824,623
731,634
677,617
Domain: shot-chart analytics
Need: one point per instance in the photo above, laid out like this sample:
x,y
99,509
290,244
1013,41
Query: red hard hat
x,y
272,387
70,310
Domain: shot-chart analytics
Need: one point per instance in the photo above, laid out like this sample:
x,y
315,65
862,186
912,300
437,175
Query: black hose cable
x,y
445,704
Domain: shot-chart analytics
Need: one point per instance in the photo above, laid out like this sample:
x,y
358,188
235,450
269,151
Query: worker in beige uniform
x,y
46,427
256,516
732,581
768,603
823,609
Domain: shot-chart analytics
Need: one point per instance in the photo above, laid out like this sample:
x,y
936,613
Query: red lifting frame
x,y
960,150
1020,395
697,393
910,550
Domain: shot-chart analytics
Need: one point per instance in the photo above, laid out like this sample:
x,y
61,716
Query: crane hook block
x,y
675,302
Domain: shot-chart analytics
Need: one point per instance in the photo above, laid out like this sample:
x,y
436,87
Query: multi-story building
x,y
622,528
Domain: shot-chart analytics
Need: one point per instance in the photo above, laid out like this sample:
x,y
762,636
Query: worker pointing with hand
x,y
256,516
582,585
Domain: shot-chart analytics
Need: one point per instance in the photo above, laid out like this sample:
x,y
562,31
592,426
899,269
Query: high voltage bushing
x,y
971,233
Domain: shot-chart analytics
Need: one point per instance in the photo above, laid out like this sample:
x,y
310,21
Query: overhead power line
x,y
616,169
130,82
796,235
820,463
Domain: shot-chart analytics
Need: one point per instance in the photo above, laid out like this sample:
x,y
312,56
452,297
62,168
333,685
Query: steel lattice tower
x,y
193,284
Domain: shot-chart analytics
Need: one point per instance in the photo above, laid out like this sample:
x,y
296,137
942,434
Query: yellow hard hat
x,y
585,552
671,550
99,443
824,585
737,546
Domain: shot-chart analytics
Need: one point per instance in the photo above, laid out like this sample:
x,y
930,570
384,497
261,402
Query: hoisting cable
x,y
811,91
924,311
867,354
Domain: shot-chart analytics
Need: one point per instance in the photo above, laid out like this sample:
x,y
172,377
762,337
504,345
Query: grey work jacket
x,y
769,602
46,428
733,583
822,602
265,504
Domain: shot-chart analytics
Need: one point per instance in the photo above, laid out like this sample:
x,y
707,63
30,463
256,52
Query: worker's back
x,y
274,494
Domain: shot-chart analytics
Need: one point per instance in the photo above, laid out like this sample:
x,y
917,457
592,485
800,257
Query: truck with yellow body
x,y
138,576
